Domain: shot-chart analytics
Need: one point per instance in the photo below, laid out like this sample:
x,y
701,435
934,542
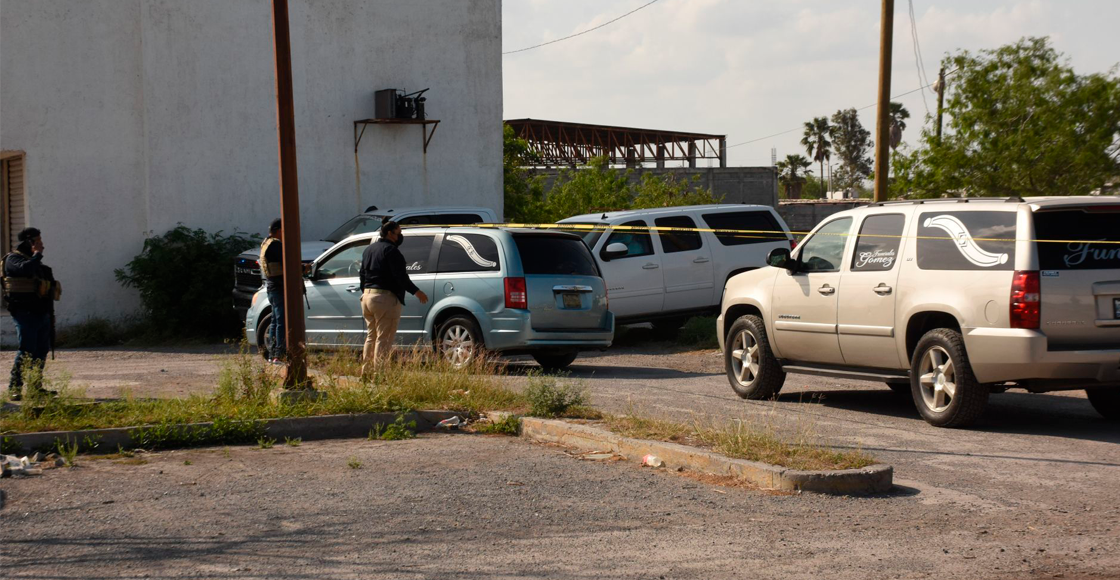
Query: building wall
x,y
804,215
136,115
757,185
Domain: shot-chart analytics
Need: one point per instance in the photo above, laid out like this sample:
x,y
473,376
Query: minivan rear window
x,y
554,256
761,226
1078,234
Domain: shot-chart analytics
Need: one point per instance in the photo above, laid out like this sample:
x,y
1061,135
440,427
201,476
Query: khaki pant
x,y
382,312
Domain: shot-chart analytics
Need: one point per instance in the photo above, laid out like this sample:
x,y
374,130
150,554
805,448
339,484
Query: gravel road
x,y
1030,492
462,506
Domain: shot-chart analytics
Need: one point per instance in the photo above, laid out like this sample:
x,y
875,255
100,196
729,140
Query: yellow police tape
x,y
754,234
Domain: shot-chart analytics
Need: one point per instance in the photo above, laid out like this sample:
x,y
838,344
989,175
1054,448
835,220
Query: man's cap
x,y
275,225
28,234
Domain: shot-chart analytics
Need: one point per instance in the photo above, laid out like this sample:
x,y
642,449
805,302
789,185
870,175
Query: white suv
x,y
668,277
949,300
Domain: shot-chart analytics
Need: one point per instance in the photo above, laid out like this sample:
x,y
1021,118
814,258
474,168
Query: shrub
x,y
508,425
548,398
184,278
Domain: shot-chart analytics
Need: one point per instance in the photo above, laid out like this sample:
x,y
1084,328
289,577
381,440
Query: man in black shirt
x,y
30,290
384,281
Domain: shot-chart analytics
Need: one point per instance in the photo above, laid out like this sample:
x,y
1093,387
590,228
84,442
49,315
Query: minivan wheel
x,y
459,340
752,370
264,343
945,391
555,362
1106,401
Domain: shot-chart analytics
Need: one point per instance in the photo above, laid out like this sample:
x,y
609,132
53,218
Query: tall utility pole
x,y
940,88
882,123
296,375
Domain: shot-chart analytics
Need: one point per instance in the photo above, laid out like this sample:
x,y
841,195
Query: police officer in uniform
x,y
30,291
272,270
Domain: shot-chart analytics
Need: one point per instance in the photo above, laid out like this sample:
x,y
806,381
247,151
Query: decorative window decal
x,y
964,242
471,252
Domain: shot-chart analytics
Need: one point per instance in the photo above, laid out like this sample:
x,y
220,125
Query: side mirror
x,y
312,273
614,251
780,258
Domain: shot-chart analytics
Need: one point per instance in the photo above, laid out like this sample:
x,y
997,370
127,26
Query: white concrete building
x,y
120,118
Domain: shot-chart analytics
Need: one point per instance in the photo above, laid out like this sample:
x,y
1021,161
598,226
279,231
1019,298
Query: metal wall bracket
x,y
426,135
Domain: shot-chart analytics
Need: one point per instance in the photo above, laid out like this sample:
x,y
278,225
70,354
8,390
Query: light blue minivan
x,y
507,291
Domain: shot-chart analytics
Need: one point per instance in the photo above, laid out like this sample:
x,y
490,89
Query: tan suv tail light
x,y
1026,299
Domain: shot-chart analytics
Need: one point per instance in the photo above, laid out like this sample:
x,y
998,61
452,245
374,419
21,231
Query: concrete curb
x,y
872,479
306,428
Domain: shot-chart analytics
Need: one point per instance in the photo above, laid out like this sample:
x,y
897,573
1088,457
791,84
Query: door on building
x,y
13,200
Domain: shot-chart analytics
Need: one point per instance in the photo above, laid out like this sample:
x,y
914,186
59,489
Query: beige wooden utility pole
x,y
882,118
296,372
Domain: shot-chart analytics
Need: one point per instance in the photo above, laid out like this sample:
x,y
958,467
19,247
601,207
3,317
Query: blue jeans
x,y
33,330
276,329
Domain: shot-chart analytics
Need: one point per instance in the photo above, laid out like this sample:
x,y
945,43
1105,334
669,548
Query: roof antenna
x,y
604,217
371,208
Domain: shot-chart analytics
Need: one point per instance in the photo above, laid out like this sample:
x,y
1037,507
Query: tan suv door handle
x,y
882,289
826,290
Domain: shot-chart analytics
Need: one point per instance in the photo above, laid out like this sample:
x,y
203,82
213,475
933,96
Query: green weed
x,y
265,442
549,398
508,425
293,442
354,463
69,452
396,431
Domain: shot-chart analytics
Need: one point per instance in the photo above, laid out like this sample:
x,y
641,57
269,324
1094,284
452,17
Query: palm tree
x,y
816,142
897,115
788,174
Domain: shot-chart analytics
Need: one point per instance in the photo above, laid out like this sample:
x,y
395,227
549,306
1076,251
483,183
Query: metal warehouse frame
x,y
558,143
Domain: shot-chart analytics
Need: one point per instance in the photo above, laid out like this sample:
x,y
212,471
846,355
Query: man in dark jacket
x,y
30,290
384,281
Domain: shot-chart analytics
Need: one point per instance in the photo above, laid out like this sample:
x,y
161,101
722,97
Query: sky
x,y
753,68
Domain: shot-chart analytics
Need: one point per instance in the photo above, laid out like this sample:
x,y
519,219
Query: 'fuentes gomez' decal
x,y
964,242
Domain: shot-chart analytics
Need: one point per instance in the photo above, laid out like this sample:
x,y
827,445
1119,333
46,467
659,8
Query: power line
x,y
921,67
609,22
921,88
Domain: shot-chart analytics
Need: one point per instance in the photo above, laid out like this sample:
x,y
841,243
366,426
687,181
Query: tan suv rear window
x,y
1078,227
964,240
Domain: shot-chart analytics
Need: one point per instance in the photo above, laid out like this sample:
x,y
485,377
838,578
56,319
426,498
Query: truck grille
x,y
246,274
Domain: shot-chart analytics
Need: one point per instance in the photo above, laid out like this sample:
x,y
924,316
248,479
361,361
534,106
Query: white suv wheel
x,y
744,357
938,380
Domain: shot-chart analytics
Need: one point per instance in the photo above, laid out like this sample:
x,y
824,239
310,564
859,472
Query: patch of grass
x,y
69,452
742,440
548,397
699,333
121,451
354,463
10,446
508,425
414,381
398,430
265,442
187,462
132,461
293,442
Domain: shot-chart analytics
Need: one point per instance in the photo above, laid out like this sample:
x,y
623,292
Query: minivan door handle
x,y
826,290
882,289
700,260
651,266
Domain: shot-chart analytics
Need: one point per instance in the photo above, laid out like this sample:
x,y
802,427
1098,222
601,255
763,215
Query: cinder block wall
x,y
804,215
758,185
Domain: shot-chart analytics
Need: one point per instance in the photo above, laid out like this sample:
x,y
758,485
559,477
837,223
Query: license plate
x,y
1116,307
572,300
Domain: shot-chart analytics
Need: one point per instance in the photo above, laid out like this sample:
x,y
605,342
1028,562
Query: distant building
x,y
121,119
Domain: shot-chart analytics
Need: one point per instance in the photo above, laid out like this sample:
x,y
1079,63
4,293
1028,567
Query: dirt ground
x,y
470,506
1029,492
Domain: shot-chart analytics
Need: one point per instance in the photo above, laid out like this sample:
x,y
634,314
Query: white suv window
x,y
878,242
638,242
824,251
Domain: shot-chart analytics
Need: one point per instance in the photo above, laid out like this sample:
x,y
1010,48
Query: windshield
x,y
590,236
362,224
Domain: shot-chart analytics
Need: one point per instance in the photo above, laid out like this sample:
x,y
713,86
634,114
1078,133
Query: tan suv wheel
x,y
1106,401
941,381
752,370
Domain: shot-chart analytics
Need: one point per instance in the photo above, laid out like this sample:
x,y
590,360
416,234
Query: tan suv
x,y
949,300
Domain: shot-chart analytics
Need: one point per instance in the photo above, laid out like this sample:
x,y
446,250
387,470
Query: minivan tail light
x,y
516,296
1026,299
792,244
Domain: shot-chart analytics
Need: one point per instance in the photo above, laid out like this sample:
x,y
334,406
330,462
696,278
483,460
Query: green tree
x,y
789,174
1020,121
817,145
524,194
852,143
